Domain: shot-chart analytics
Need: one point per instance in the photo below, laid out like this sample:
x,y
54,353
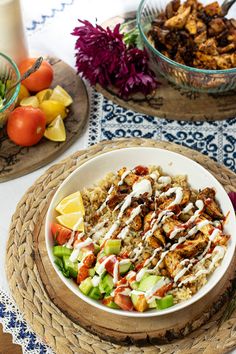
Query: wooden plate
x,y
173,102
15,160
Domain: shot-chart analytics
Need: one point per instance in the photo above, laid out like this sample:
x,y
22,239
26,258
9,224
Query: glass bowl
x,y
8,70
184,76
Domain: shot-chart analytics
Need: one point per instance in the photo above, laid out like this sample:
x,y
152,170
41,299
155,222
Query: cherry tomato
x,y
26,125
124,302
60,233
39,80
83,273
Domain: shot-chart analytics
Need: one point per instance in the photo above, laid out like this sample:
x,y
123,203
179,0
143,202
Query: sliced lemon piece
x,y
44,95
56,131
23,93
60,95
73,221
70,204
52,109
30,101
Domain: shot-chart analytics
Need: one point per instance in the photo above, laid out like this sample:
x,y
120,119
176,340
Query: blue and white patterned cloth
x,y
215,139
109,121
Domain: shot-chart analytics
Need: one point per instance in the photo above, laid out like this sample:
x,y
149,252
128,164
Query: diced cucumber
x,y
72,267
111,303
123,268
106,285
60,251
165,302
134,285
139,302
86,286
152,305
96,268
91,272
112,247
95,293
148,282
96,248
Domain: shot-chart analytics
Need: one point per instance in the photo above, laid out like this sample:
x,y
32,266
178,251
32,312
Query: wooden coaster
x,y
16,161
173,102
64,321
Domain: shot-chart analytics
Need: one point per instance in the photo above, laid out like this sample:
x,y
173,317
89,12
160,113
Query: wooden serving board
x,y
173,102
15,160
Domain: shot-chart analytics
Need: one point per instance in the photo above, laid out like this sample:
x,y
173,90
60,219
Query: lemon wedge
x,y
44,95
30,101
23,93
60,95
52,109
71,204
73,221
56,131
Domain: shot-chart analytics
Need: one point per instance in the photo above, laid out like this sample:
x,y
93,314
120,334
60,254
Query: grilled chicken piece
x,y
115,199
171,262
153,242
191,248
147,220
179,20
186,197
159,236
136,223
130,179
222,239
207,195
170,224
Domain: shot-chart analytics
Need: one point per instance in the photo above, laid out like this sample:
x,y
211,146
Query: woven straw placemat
x,y
27,288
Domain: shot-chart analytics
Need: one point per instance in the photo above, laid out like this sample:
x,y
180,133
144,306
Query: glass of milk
x,y
12,35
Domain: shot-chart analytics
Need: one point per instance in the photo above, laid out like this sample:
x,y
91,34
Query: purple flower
x,y
102,57
232,196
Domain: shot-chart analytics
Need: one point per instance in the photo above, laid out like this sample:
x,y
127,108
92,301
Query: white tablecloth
x,y
49,24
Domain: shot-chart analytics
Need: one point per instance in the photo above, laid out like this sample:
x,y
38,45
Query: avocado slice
x,y
72,267
165,302
112,247
148,282
86,286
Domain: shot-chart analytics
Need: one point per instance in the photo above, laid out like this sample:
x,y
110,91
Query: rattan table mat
x,y
27,288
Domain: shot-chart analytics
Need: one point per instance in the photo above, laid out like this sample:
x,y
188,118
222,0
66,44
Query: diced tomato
x,y
110,265
89,260
163,290
139,265
122,281
60,233
124,302
107,300
83,273
124,255
141,170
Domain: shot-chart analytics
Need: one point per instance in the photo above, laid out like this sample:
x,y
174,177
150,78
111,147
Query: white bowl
x,y
173,164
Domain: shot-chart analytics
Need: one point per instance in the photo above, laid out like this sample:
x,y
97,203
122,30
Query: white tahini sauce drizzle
x,y
112,229
123,233
139,188
96,280
217,254
75,253
148,261
98,227
101,267
137,251
134,213
188,207
125,174
150,293
178,195
164,180
116,272
156,223
104,204
72,237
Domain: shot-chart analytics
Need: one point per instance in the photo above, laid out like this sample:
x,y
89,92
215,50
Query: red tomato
x,y
83,273
89,260
26,125
124,302
141,170
163,290
60,233
39,80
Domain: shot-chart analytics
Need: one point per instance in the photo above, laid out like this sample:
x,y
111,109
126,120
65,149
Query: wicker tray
x,y
31,283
